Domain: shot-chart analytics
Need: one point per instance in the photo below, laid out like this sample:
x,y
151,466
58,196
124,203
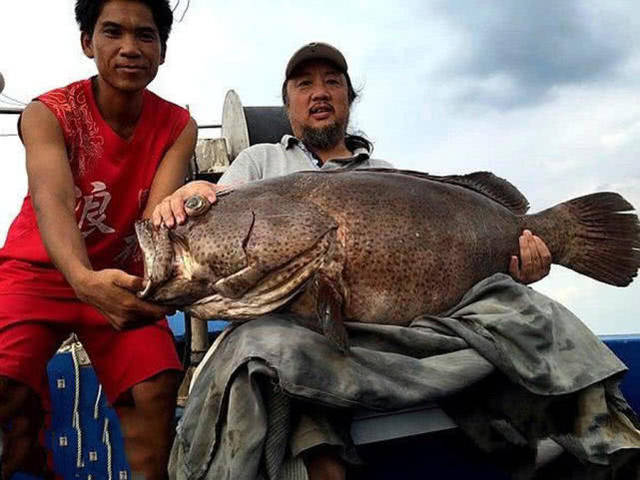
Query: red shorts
x,y
32,328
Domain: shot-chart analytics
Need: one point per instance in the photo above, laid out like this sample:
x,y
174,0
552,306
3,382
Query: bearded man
x,y
317,93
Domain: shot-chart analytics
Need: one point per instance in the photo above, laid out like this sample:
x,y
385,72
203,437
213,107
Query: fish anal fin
x,y
329,313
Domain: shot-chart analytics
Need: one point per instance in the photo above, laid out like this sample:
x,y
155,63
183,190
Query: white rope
x,y
76,403
97,404
107,441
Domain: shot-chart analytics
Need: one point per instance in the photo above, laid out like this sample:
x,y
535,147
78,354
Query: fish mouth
x,y
158,255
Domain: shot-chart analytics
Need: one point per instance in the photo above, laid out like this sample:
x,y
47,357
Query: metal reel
x,y
246,126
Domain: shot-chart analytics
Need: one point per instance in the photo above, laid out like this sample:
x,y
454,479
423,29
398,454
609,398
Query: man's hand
x,y
171,212
113,292
535,259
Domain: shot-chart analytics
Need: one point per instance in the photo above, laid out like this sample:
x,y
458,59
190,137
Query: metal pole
x,y
11,110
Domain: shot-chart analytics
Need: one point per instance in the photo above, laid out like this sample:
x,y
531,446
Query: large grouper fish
x,y
375,245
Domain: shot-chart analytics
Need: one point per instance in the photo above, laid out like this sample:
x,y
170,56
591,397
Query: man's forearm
x,y
62,238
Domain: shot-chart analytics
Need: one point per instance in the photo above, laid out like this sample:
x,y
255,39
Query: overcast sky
x,y
541,92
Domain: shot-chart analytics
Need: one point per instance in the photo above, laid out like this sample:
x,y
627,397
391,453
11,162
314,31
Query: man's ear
x,y
87,45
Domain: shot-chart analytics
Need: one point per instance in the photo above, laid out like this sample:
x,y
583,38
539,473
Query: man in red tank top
x,y
100,153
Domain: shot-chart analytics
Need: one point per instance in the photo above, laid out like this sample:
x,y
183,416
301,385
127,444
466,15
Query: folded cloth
x,y
538,370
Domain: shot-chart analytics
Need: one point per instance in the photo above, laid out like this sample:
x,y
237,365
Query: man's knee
x,y
146,412
146,415
324,463
156,394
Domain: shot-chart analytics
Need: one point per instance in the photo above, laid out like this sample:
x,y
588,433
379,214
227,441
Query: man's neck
x,y
339,151
121,110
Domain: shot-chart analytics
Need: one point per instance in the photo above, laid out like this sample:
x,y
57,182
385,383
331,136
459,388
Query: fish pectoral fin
x,y
329,313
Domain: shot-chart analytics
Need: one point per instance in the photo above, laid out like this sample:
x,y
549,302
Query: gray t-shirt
x,y
267,160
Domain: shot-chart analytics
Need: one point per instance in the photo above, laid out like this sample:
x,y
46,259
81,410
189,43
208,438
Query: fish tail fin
x,y
594,235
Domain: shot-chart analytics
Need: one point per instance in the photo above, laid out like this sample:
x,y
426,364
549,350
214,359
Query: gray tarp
x,y
557,378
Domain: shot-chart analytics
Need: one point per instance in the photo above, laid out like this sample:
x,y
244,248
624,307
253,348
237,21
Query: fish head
x,y
243,256
182,264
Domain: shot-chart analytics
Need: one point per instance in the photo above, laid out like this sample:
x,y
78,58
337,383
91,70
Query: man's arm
x,y
53,197
172,172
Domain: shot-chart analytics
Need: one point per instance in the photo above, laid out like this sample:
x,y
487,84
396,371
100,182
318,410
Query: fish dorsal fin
x,y
496,188
485,183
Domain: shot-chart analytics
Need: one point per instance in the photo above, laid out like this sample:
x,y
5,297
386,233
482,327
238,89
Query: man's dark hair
x,y
88,11
352,142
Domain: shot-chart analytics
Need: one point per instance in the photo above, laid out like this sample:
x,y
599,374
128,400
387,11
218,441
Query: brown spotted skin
x,y
412,246
403,245
388,245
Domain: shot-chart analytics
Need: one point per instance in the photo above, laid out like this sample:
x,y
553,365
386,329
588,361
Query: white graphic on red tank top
x,y
84,144
93,208
129,251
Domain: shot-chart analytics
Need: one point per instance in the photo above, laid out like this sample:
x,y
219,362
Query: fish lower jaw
x,y
268,293
216,306
254,302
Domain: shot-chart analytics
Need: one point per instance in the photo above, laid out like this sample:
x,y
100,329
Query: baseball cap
x,y
316,50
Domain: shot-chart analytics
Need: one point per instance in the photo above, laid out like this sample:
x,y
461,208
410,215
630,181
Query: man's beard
x,y
324,138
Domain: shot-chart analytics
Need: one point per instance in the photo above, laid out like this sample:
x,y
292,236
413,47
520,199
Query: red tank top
x,y
112,178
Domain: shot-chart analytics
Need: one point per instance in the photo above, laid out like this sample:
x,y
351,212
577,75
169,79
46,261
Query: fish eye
x,y
196,205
